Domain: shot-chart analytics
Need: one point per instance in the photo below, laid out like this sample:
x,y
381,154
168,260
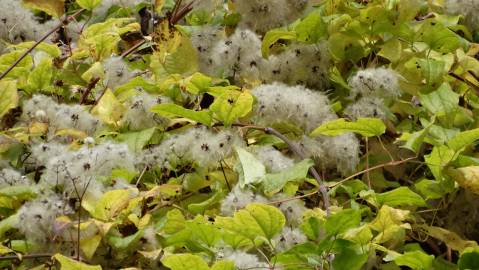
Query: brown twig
x,y
62,23
88,89
26,256
133,48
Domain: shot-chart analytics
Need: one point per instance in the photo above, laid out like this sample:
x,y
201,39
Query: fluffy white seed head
x,y
37,218
195,145
299,64
263,15
274,160
138,115
18,24
59,116
468,8
293,210
341,152
204,39
239,56
11,177
245,260
238,198
116,71
298,105
380,82
288,238
368,106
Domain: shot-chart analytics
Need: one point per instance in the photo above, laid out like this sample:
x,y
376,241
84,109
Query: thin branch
x,y
26,256
224,175
133,48
88,89
464,80
62,23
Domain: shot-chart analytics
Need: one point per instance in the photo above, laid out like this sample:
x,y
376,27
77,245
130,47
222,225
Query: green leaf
x,y
469,259
433,71
417,260
272,36
137,140
430,189
312,28
88,4
251,170
54,8
203,232
230,106
348,256
41,76
342,221
121,243
401,196
463,139
438,160
223,265
9,100
184,60
273,183
439,37
20,192
391,50
7,224
367,127
185,262
442,102
70,264
345,47
173,110
466,177
257,222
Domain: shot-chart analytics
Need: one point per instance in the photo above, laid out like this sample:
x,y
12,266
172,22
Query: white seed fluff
x,y
116,72
138,115
11,177
238,198
468,8
368,106
272,159
298,105
204,39
380,82
245,260
288,238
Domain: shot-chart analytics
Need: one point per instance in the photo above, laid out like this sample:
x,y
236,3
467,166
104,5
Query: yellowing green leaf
x,y
451,239
109,109
88,4
223,265
70,264
463,139
389,224
367,127
185,262
391,50
89,245
251,170
438,159
173,110
442,102
271,37
257,222
231,106
110,204
184,60
311,29
466,177
41,76
9,100
54,8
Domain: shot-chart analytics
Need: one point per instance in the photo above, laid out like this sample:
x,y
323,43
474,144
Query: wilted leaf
x,y
54,8
367,127
70,264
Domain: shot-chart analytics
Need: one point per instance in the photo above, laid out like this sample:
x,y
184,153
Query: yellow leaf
x,y
111,203
75,133
109,109
159,5
451,239
151,255
70,264
5,250
9,96
466,177
38,128
89,245
54,8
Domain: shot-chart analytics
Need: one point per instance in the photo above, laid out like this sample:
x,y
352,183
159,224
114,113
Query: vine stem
x,y
62,23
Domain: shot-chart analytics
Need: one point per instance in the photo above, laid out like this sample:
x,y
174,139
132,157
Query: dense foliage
x,y
240,134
